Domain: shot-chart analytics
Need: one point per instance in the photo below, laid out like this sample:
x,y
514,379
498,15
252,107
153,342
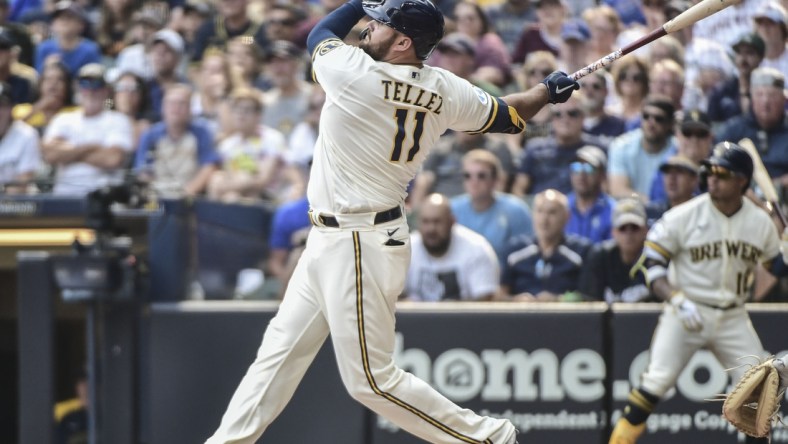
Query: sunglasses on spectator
x,y
699,134
628,228
637,77
283,22
659,118
540,73
582,168
573,113
480,176
91,83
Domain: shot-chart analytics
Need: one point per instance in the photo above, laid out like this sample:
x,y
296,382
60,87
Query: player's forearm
x,y
336,24
528,103
662,288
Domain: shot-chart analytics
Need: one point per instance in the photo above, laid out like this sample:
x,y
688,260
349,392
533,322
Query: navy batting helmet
x,y
418,19
731,157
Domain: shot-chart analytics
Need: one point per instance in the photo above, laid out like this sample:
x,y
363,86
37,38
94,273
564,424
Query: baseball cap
x,y
753,40
680,162
68,7
284,49
695,119
592,155
629,211
170,38
767,76
575,29
5,94
459,43
772,11
92,76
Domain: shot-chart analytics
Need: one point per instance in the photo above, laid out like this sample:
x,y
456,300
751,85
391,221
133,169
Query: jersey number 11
x,y
401,116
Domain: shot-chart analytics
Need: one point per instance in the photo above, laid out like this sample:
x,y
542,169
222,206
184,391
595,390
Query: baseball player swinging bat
x,y
762,178
689,17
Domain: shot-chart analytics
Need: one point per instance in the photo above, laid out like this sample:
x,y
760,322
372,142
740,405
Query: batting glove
x,y
559,86
687,312
784,245
781,364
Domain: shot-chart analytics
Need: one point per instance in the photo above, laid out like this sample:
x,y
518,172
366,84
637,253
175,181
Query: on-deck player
x,y
384,109
700,257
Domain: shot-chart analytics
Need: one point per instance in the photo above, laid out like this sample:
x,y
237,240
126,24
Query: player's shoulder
x,y
754,212
695,205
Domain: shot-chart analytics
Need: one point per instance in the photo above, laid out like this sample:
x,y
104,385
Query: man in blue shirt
x,y
589,207
68,23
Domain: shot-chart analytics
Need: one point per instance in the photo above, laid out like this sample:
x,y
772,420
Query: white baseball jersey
x,y
405,109
712,256
467,271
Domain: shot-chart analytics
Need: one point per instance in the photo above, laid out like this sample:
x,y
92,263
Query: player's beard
x,y
375,50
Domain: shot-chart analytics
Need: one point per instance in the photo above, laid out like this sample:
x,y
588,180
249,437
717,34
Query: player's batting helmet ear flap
x,y
731,157
418,19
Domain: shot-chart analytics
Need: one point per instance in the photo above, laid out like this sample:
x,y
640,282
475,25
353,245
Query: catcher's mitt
x,y
753,403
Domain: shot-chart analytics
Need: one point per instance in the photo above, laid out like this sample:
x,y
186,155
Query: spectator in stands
x,y
176,156
20,157
23,88
67,43
497,216
214,82
246,64
19,33
590,208
771,24
131,98
679,176
134,56
287,101
693,140
253,157
632,83
231,21
493,63
71,415
574,45
606,272
88,146
666,78
546,267
604,25
636,155
289,230
165,53
597,121
545,162
732,98
55,94
457,53
667,48
442,170
509,18
301,143
282,20
195,13
537,66
115,21
545,34
449,261
765,124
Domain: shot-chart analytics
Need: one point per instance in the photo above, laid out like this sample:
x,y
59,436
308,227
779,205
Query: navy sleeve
x,y
336,24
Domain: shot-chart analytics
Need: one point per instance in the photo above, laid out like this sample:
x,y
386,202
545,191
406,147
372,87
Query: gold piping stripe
x,y
365,357
640,401
490,118
659,249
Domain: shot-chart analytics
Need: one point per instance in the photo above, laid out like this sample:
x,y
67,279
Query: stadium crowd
x,y
216,100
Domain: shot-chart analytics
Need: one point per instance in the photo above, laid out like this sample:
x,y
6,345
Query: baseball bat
x,y
697,12
762,178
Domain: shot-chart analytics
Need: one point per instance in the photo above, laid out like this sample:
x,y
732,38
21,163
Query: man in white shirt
x,y
90,146
20,157
449,261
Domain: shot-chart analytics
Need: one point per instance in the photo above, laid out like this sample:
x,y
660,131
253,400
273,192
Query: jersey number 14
x,y
401,116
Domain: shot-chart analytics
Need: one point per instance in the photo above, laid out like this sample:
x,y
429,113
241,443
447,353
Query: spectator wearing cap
x,y
89,146
457,53
22,89
590,208
545,34
68,44
19,34
606,273
635,156
545,161
545,267
732,97
493,62
165,52
56,94
693,141
282,20
765,124
574,47
771,23
497,216
286,102
134,56
679,176
604,27
597,122
509,18
20,156
177,155
231,21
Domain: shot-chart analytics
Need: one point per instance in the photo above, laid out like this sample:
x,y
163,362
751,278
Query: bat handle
x,y
775,207
601,63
